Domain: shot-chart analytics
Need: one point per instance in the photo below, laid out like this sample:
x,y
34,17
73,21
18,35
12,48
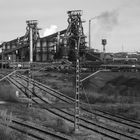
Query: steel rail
x,y
100,113
15,122
95,124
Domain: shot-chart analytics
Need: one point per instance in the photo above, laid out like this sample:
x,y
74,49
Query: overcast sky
x,y
118,20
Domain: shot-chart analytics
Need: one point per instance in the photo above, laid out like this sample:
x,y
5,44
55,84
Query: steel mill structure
x,y
31,47
64,47
59,47
68,45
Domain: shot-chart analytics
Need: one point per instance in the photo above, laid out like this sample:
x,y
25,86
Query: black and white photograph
x,y
69,69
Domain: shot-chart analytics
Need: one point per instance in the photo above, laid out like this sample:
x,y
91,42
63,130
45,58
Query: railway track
x,y
61,96
36,131
33,130
96,127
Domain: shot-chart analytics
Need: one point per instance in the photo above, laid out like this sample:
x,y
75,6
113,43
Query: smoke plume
x,y
105,24
108,20
48,31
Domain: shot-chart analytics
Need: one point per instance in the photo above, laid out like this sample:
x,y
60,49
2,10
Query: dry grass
x,y
123,109
104,88
35,115
11,135
6,133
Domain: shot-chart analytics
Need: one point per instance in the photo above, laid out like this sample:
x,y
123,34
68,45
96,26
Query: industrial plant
x,y
61,46
61,88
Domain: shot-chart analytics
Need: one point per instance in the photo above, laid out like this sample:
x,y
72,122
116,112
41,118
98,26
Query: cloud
x,y
48,31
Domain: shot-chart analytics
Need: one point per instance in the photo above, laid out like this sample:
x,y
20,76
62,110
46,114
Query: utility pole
x,y
74,41
33,35
77,108
32,27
